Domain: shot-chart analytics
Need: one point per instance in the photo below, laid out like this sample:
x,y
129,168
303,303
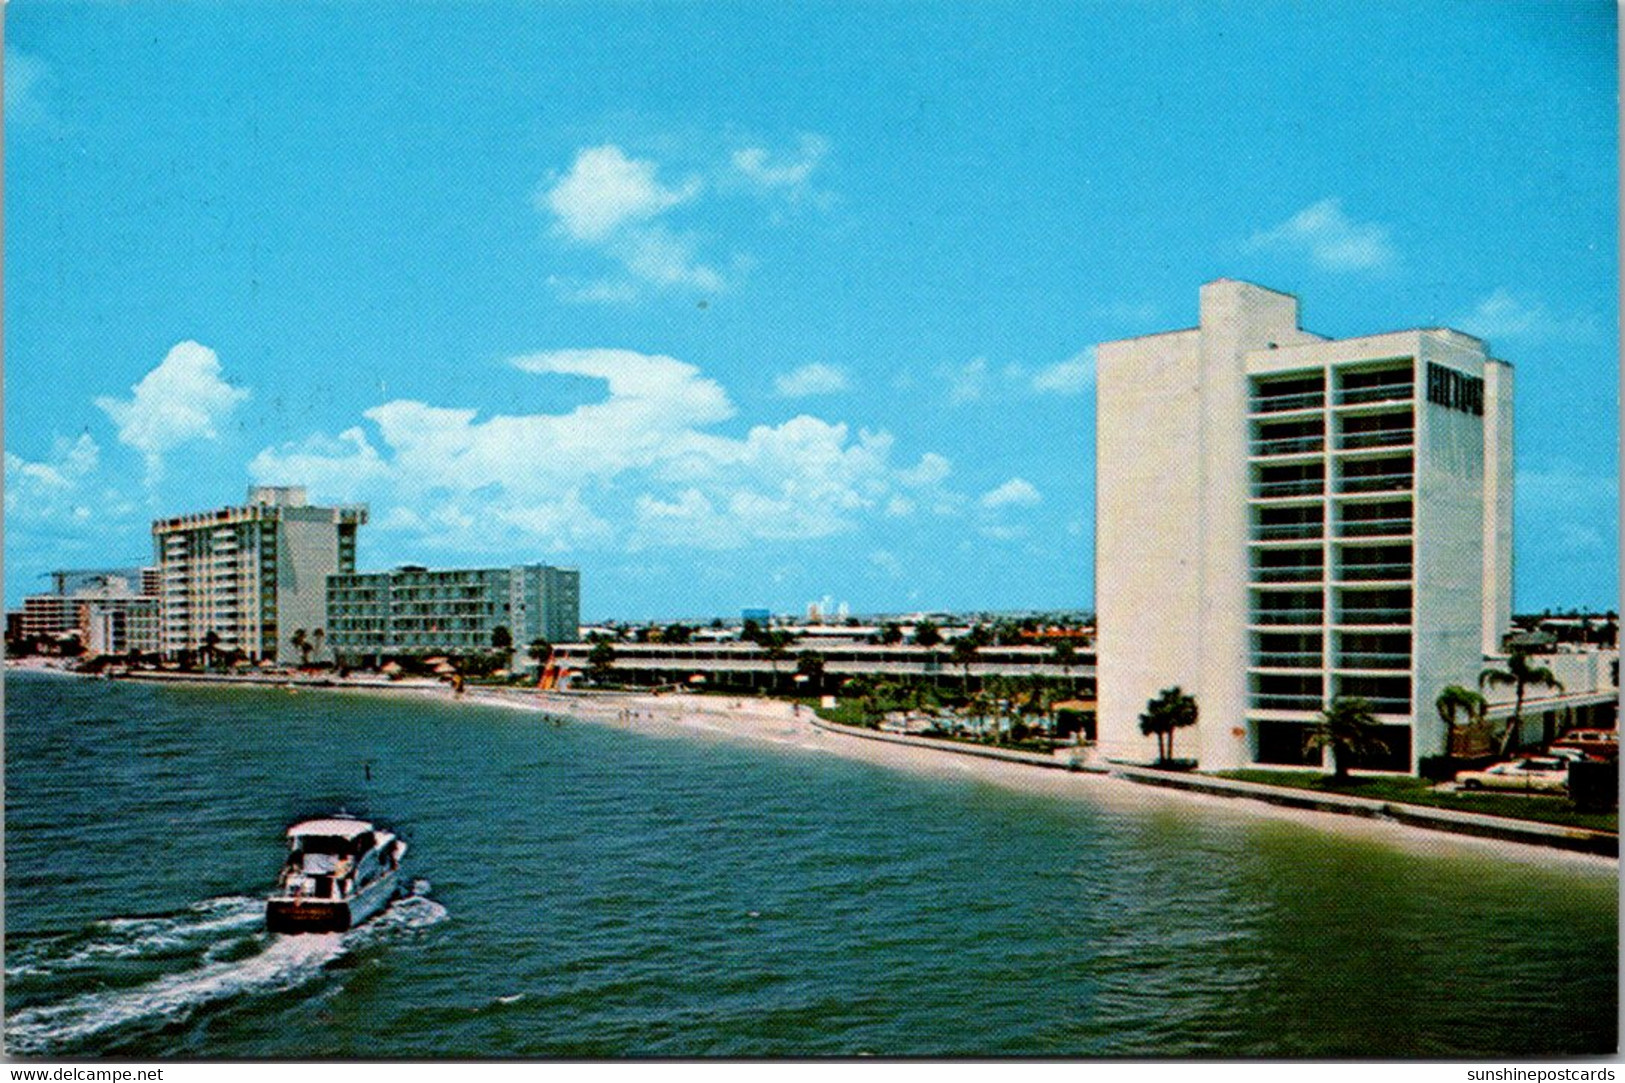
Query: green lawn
x,y
1418,791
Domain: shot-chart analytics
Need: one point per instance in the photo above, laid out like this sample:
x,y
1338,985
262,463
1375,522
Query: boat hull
x,y
307,915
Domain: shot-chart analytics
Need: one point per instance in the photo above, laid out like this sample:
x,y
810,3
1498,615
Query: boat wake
x,y
221,946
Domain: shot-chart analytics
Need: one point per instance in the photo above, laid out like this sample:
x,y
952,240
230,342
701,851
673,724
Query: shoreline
x,y
778,722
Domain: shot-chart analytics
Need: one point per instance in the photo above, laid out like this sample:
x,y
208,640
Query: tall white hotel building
x,y
1285,518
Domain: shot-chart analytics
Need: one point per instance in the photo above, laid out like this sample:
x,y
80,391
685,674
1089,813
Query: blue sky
x,y
735,305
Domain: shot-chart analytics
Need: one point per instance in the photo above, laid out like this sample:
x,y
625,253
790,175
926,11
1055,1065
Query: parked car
x,y
1529,775
1567,755
1597,744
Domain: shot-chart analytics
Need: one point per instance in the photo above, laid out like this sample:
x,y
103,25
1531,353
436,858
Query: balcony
x,y
1388,704
1285,701
1391,660
1374,528
1287,660
1280,404
1297,487
1289,445
1376,438
1376,483
1364,617
1283,616
1359,396
1374,572
1310,531
1293,573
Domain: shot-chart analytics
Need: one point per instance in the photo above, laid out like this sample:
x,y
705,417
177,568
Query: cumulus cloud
x,y
641,465
605,190
1017,492
1073,376
812,379
613,204
182,400
789,173
60,490
1330,239
1504,314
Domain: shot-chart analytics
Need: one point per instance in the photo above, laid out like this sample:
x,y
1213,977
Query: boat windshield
x,y
334,844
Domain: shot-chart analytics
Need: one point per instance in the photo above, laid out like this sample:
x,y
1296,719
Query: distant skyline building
x,y
1283,519
252,574
103,608
416,611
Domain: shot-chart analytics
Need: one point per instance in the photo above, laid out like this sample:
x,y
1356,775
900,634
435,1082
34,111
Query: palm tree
x,y
927,633
1065,655
1348,727
962,655
1521,674
600,661
774,646
810,664
1171,710
1454,699
316,637
211,644
301,643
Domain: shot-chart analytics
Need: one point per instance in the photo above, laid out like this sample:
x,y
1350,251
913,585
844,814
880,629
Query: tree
x,y
1350,730
211,645
810,664
600,661
1522,674
962,654
927,634
774,645
541,652
301,643
677,633
891,633
501,638
1064,655
751,632
1454,699
1171,710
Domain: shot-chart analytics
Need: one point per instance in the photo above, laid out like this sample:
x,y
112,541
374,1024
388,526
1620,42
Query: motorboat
x,y
340,871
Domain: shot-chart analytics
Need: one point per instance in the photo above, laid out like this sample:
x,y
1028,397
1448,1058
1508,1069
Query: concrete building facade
x,y
1283,519
253,574
416,611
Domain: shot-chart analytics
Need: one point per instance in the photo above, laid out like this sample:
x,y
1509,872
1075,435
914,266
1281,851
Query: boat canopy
x,y
330,828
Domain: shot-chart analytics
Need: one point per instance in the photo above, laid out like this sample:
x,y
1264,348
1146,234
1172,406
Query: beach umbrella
x,y
435,661
445,667
391,667
698,678
266,663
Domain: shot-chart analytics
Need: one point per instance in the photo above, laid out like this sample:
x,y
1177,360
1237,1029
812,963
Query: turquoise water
x,y
597,892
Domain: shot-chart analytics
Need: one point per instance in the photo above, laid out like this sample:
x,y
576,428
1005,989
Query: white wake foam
x,y
287,962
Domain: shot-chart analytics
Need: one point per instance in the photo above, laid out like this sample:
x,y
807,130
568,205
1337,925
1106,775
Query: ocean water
x,y
590,891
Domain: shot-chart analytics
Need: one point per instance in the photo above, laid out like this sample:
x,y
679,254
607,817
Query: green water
x,y
597,892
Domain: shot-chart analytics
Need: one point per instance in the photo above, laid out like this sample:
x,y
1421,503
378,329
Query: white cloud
x,y
640,466
1503,314
612,204
967,382
25,80
812,379
790,173
606,190
1017,492
1073,376
181,400
61,489
1331,239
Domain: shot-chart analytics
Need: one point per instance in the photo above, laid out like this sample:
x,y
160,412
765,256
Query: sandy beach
x,y
773,722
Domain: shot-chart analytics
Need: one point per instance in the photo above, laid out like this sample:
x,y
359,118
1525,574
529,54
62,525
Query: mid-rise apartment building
x,y
414,610
1283,519
101,608
254,574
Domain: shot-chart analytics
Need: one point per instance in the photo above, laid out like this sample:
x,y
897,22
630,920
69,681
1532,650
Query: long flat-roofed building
x,y
418,611
1283,519
253,574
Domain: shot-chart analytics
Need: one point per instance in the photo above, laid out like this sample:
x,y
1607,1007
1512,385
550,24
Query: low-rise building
x,y
417,611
